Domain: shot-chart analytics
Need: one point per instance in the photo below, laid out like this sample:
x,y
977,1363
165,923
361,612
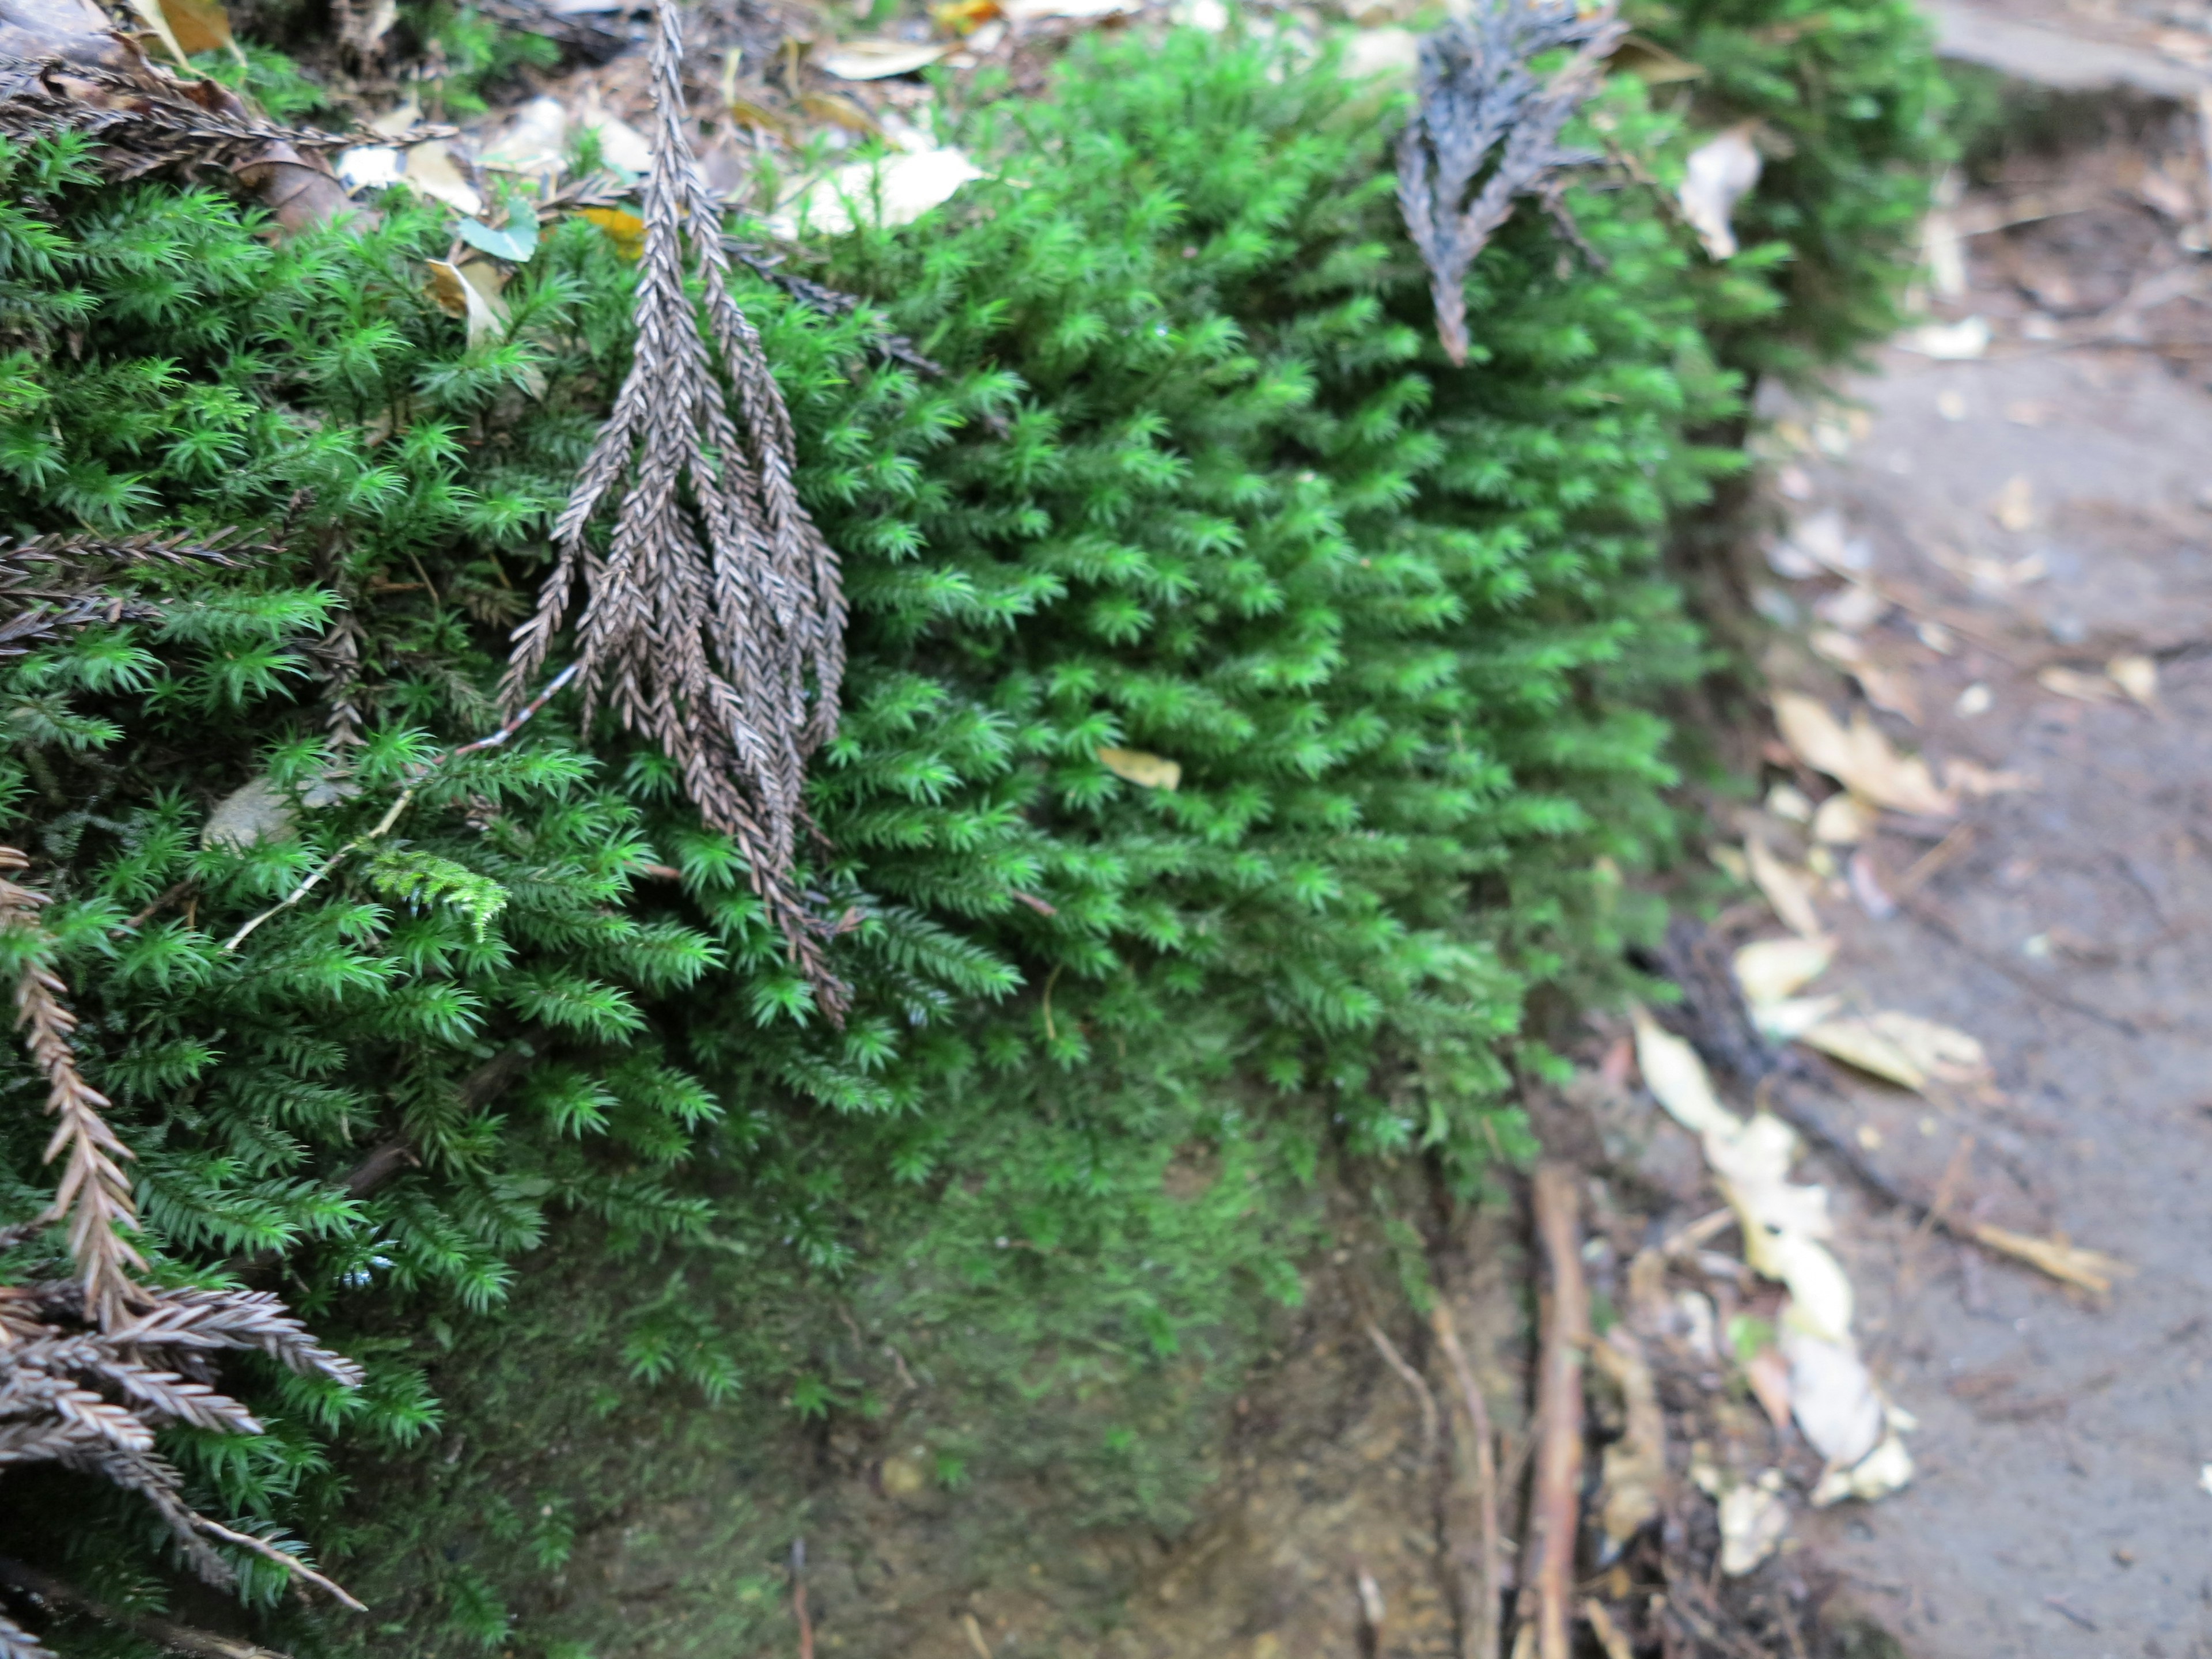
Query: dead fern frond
x,y
52,584
1478,92
65,67
94,1196
714,623
90,1366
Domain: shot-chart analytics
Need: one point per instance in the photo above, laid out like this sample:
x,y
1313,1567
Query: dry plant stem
x,y
1484,1597
713,623
162,1632
514,723
1412,1379
1554,1503
291,1564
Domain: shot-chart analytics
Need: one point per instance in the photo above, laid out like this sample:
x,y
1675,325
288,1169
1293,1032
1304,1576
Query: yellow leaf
x,y
1771,969
2082,688
963,16
470,292
150,13
1859,1042
759,117
840,111
1785,889
875,59
621,227
1147,771
2137,676
201,26
1861,758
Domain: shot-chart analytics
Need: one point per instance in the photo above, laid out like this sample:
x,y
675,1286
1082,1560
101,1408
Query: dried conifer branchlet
x,y
713,623
91,1365
1479,98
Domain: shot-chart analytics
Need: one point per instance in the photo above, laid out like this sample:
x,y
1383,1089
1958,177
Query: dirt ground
x,y
2044,506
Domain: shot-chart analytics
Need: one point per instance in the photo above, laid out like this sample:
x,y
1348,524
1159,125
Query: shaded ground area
x,y
2035,513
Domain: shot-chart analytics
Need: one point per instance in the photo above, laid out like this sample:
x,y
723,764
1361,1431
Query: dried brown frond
x,y
713,624
830,303
65,67
90,1366
95,1195
52,584
1478,93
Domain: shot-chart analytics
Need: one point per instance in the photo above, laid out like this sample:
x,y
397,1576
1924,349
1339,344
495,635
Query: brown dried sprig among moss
x,y
1478,92
714,623
92,1365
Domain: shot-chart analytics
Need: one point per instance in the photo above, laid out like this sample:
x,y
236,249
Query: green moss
x,y
1196,481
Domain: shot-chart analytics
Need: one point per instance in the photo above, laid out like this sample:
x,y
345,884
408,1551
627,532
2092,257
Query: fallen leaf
x,y
1635,1464
1843,649
1950,343
1717,175
1942,1051
841,112
1824,543
255,811
1786,888
1831,1394
1821,1300
1861,758
1840,821
2014,506
621,227
150,13
1753,1523
201,26
1970,778
432,170
468,292
1889,689
1859,1042
1678,1078
1788,802
902,187
1883,1471
2070,1264
2137,676
1772,969
746,112
2082,688
874,59
515,241
1146,771
1785,1021
963,16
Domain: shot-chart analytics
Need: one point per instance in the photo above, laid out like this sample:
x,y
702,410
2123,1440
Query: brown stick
x,y
1482,1596
1413,1379
177,1639
1553,1504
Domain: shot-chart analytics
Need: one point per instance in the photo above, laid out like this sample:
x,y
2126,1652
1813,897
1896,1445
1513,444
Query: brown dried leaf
x,y
1861,758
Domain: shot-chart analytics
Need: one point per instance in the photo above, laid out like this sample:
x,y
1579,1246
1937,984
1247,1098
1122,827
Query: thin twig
x,y
513,724
1554,1505
269,1552
1413,1380
799,1598
1487,1593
